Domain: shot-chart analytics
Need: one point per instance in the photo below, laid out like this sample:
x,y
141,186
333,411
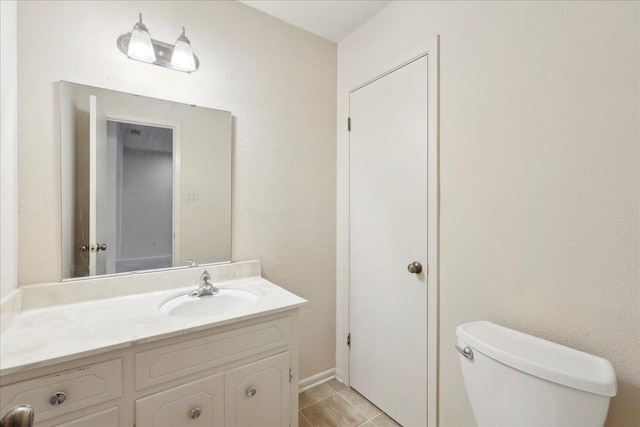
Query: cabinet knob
x,y
195,413
58,398
252,391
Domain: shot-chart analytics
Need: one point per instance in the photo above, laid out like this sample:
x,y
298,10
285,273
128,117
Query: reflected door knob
x,y
415,267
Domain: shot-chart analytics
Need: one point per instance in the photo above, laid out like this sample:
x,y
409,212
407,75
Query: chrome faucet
x,y
206,286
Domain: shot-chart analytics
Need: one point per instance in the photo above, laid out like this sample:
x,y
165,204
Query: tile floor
x,y
333,404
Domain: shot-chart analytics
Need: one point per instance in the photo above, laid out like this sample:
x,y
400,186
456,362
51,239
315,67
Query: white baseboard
x,y
317,379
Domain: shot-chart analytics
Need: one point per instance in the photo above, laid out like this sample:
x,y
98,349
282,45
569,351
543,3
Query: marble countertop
x,y
44,336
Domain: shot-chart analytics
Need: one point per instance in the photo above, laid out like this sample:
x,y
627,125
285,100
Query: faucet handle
x,y
205,277
192,263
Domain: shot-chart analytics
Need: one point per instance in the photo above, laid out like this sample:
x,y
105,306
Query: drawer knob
x,y
195,413
58,398
252,391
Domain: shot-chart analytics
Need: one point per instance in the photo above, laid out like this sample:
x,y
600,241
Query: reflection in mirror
x,y
143,166
146,183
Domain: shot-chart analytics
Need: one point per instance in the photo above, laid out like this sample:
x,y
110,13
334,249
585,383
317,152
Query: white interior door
x,y
97,186
388,231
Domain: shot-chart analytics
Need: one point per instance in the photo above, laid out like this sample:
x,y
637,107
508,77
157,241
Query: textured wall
x,y
539,118
279,83
8,149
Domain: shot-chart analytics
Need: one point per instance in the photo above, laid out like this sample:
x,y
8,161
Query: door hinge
x,y
349,124
349,340
290,374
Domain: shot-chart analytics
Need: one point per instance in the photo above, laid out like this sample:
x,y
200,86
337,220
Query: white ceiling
x,y
331,19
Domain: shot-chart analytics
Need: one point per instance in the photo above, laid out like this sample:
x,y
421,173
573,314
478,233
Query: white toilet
x,y
515,379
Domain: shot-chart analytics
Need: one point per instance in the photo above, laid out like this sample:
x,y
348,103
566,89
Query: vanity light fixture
x,y
139,45
182,58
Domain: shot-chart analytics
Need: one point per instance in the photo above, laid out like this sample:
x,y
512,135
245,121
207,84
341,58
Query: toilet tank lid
x,y
541,358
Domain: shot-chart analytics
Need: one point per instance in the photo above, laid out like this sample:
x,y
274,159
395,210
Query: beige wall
x,y
8,148
278,82
539,115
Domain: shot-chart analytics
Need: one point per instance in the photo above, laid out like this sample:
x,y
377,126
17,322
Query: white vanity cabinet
x,y
257,394
242,374
65,391
198,403
106,418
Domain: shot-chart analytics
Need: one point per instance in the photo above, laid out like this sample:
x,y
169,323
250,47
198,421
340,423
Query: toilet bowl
x,y
515,379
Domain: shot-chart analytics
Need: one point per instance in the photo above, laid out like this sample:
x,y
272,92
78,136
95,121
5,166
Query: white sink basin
x,y
226,301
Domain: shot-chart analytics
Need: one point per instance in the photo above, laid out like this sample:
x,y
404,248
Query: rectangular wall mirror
x,y
146,183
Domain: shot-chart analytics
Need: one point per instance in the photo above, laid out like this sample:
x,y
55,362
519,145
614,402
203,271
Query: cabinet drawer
x,y
106,418
82,387
198,403
175,361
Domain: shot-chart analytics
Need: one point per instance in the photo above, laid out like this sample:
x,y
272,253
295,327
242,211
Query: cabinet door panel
x,y
198,403
257,394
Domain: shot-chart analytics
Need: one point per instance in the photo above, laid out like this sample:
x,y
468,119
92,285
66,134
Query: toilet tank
x,y
515,379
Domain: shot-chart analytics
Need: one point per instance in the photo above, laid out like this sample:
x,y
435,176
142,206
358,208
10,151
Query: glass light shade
x,y
140,46
182,57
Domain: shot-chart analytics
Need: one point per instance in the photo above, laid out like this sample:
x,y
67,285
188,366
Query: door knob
x,y
101,247
21,415
84,248
415,267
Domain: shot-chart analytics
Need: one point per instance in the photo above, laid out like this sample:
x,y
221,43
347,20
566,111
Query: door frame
x,y
176,126
431,50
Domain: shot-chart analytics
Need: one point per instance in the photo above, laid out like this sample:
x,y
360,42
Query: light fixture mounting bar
x,y
163,52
